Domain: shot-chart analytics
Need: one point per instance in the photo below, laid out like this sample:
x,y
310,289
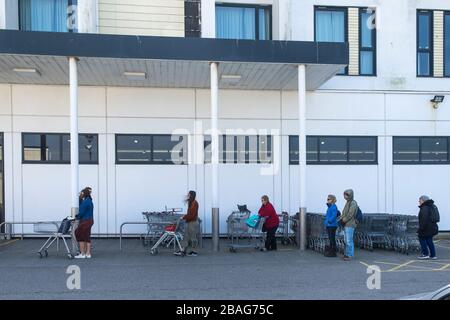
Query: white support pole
x,y
215,155
74,174
302,153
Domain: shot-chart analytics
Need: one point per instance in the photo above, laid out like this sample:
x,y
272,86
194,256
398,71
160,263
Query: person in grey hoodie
x,y
348,222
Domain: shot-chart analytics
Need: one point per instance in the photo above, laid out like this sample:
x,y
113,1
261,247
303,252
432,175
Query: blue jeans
x,y
349,243
426,243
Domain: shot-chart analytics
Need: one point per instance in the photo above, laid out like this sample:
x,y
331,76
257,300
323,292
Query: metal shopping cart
x,y
283,231
172,236
245,236
236,222
156,223
55,232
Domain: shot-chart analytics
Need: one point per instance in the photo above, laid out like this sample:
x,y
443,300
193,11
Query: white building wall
x,y
122,192
394,103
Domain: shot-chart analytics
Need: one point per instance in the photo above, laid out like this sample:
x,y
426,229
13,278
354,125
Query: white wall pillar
x,y
302,152
9,17
2,14
87,12
74,166
208,18
215,154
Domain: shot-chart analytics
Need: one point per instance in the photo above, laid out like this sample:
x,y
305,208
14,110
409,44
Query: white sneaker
x,y
80,256
88,256
423,257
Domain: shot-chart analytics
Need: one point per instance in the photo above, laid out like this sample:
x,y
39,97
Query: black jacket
x,y
426,227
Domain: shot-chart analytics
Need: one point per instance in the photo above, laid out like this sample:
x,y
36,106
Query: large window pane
x,y
169,149
406,150
424,43
235,23
434,150
88,148
241,149
424,64
32,147
133,148
312,151
264,24
333,149
293,149
424,31
362,149
366,26
264,149
55,147
43,15
447,45
330,25
243,22
366,63
53,144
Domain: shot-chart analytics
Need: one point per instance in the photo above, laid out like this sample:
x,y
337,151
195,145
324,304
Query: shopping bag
x,y
252,221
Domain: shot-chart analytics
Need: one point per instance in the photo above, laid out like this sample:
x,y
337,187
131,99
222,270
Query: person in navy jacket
x,y
331,225
86,217
271,224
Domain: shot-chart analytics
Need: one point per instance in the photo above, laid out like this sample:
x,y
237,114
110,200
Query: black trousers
x,y
332,237
271,240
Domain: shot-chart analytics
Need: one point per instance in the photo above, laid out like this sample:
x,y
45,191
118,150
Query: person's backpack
x,y
65,225
359,215
434,214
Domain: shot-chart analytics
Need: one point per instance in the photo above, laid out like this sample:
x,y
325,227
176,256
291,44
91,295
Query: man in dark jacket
x,y
427,228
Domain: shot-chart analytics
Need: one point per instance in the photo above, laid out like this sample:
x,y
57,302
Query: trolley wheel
x,y
46,253
233,250
154,252
283,242
40,255
70,256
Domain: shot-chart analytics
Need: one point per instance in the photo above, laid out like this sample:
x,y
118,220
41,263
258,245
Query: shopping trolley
x,y
172,235
157,221
55,232
246,236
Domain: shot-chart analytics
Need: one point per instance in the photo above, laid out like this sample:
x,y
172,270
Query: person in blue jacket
x,y
331,225
86,217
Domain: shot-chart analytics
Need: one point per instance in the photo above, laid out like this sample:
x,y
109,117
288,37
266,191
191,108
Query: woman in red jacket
x,y
271,224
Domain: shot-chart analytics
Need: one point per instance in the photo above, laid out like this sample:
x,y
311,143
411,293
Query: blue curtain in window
x,y
330,26
263,24
43,15
235,23
366,63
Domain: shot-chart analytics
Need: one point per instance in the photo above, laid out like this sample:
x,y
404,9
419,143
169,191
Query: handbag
x,y
252,221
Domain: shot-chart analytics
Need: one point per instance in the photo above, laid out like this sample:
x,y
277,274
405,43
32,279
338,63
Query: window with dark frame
x,y
38,15
367,42
335,150
55,148
151,149
330,25
243,21
421,150
241,149
424,43
447,44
